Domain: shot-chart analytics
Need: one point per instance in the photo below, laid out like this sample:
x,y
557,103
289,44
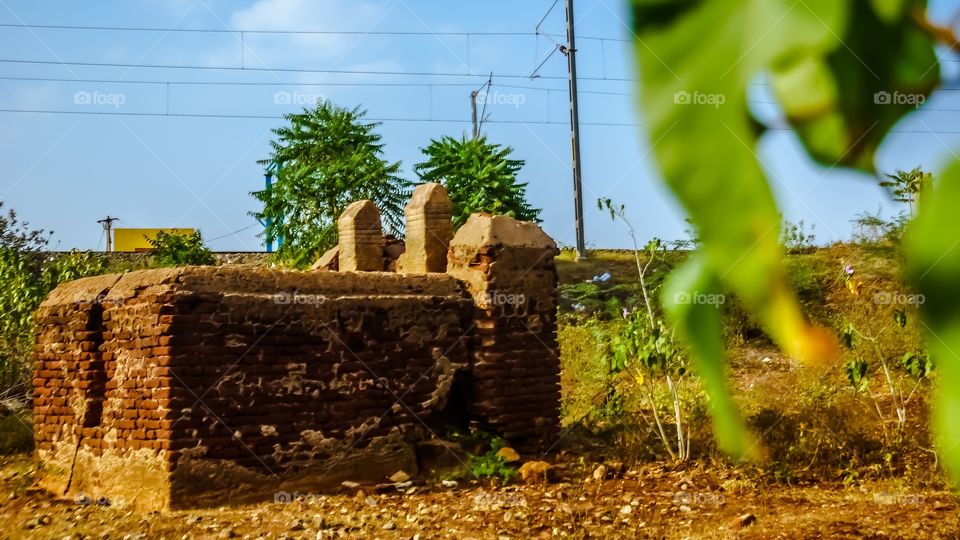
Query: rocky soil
x,y
585,500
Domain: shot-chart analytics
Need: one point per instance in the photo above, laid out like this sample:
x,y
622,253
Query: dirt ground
x,y
695,501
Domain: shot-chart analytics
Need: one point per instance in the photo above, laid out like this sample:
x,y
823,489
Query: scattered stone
x,y
329,261
296,525
389,526
508,455
626,510
744,521
599,473
193,520
350,484
533,472
454,483
227,533
399,477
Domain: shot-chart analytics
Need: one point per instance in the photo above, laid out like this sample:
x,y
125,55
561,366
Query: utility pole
x,y
473,114
107,223
570,51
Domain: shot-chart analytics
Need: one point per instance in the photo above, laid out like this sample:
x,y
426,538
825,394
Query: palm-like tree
x,y
906,186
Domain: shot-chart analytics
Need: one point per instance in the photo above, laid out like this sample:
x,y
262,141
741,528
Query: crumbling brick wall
x,y
508,268
202,385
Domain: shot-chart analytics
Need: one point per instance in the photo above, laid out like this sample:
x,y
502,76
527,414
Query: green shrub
x,y
27,276
174,249
27,279
491,465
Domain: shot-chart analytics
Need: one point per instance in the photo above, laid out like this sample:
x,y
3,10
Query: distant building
x,y
139,239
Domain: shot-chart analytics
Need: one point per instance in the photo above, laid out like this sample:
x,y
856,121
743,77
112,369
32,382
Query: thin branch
x,y
942,34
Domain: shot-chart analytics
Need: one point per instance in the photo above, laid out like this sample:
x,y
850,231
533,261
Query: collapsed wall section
x,y
236,383
69,376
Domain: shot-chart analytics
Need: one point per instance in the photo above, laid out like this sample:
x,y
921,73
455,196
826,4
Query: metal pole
x,y
575,132
268,184
108,229
473,114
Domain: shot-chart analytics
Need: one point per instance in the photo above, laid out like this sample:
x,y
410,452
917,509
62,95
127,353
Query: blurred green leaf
x,y
697,60
886,68
933,263
701,327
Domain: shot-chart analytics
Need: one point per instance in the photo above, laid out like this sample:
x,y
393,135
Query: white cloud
x,y
309,15
39,97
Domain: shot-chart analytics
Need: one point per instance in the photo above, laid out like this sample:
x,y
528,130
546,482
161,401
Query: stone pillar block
x,y
429,230
508,269
361,239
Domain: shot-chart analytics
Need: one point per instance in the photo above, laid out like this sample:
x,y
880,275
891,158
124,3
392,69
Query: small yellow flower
x,y
854,287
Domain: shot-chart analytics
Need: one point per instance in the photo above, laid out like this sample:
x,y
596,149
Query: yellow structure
x,y
139,239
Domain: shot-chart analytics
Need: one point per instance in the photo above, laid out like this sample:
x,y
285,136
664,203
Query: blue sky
x,y
64,171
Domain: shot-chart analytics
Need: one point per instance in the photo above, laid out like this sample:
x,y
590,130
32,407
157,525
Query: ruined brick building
x,y
196,386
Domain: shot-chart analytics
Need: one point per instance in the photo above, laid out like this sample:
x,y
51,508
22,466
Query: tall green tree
x,y
328,157
906,186
479,177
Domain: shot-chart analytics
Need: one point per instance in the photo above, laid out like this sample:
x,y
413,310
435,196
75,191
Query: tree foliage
x,y
906,186
844,72
328,157
176,249
28,276
479,177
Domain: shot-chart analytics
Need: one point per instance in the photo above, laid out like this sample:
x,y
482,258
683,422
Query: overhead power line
x,y
285,84
238,231
355,84
294,32
289,70
278,117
